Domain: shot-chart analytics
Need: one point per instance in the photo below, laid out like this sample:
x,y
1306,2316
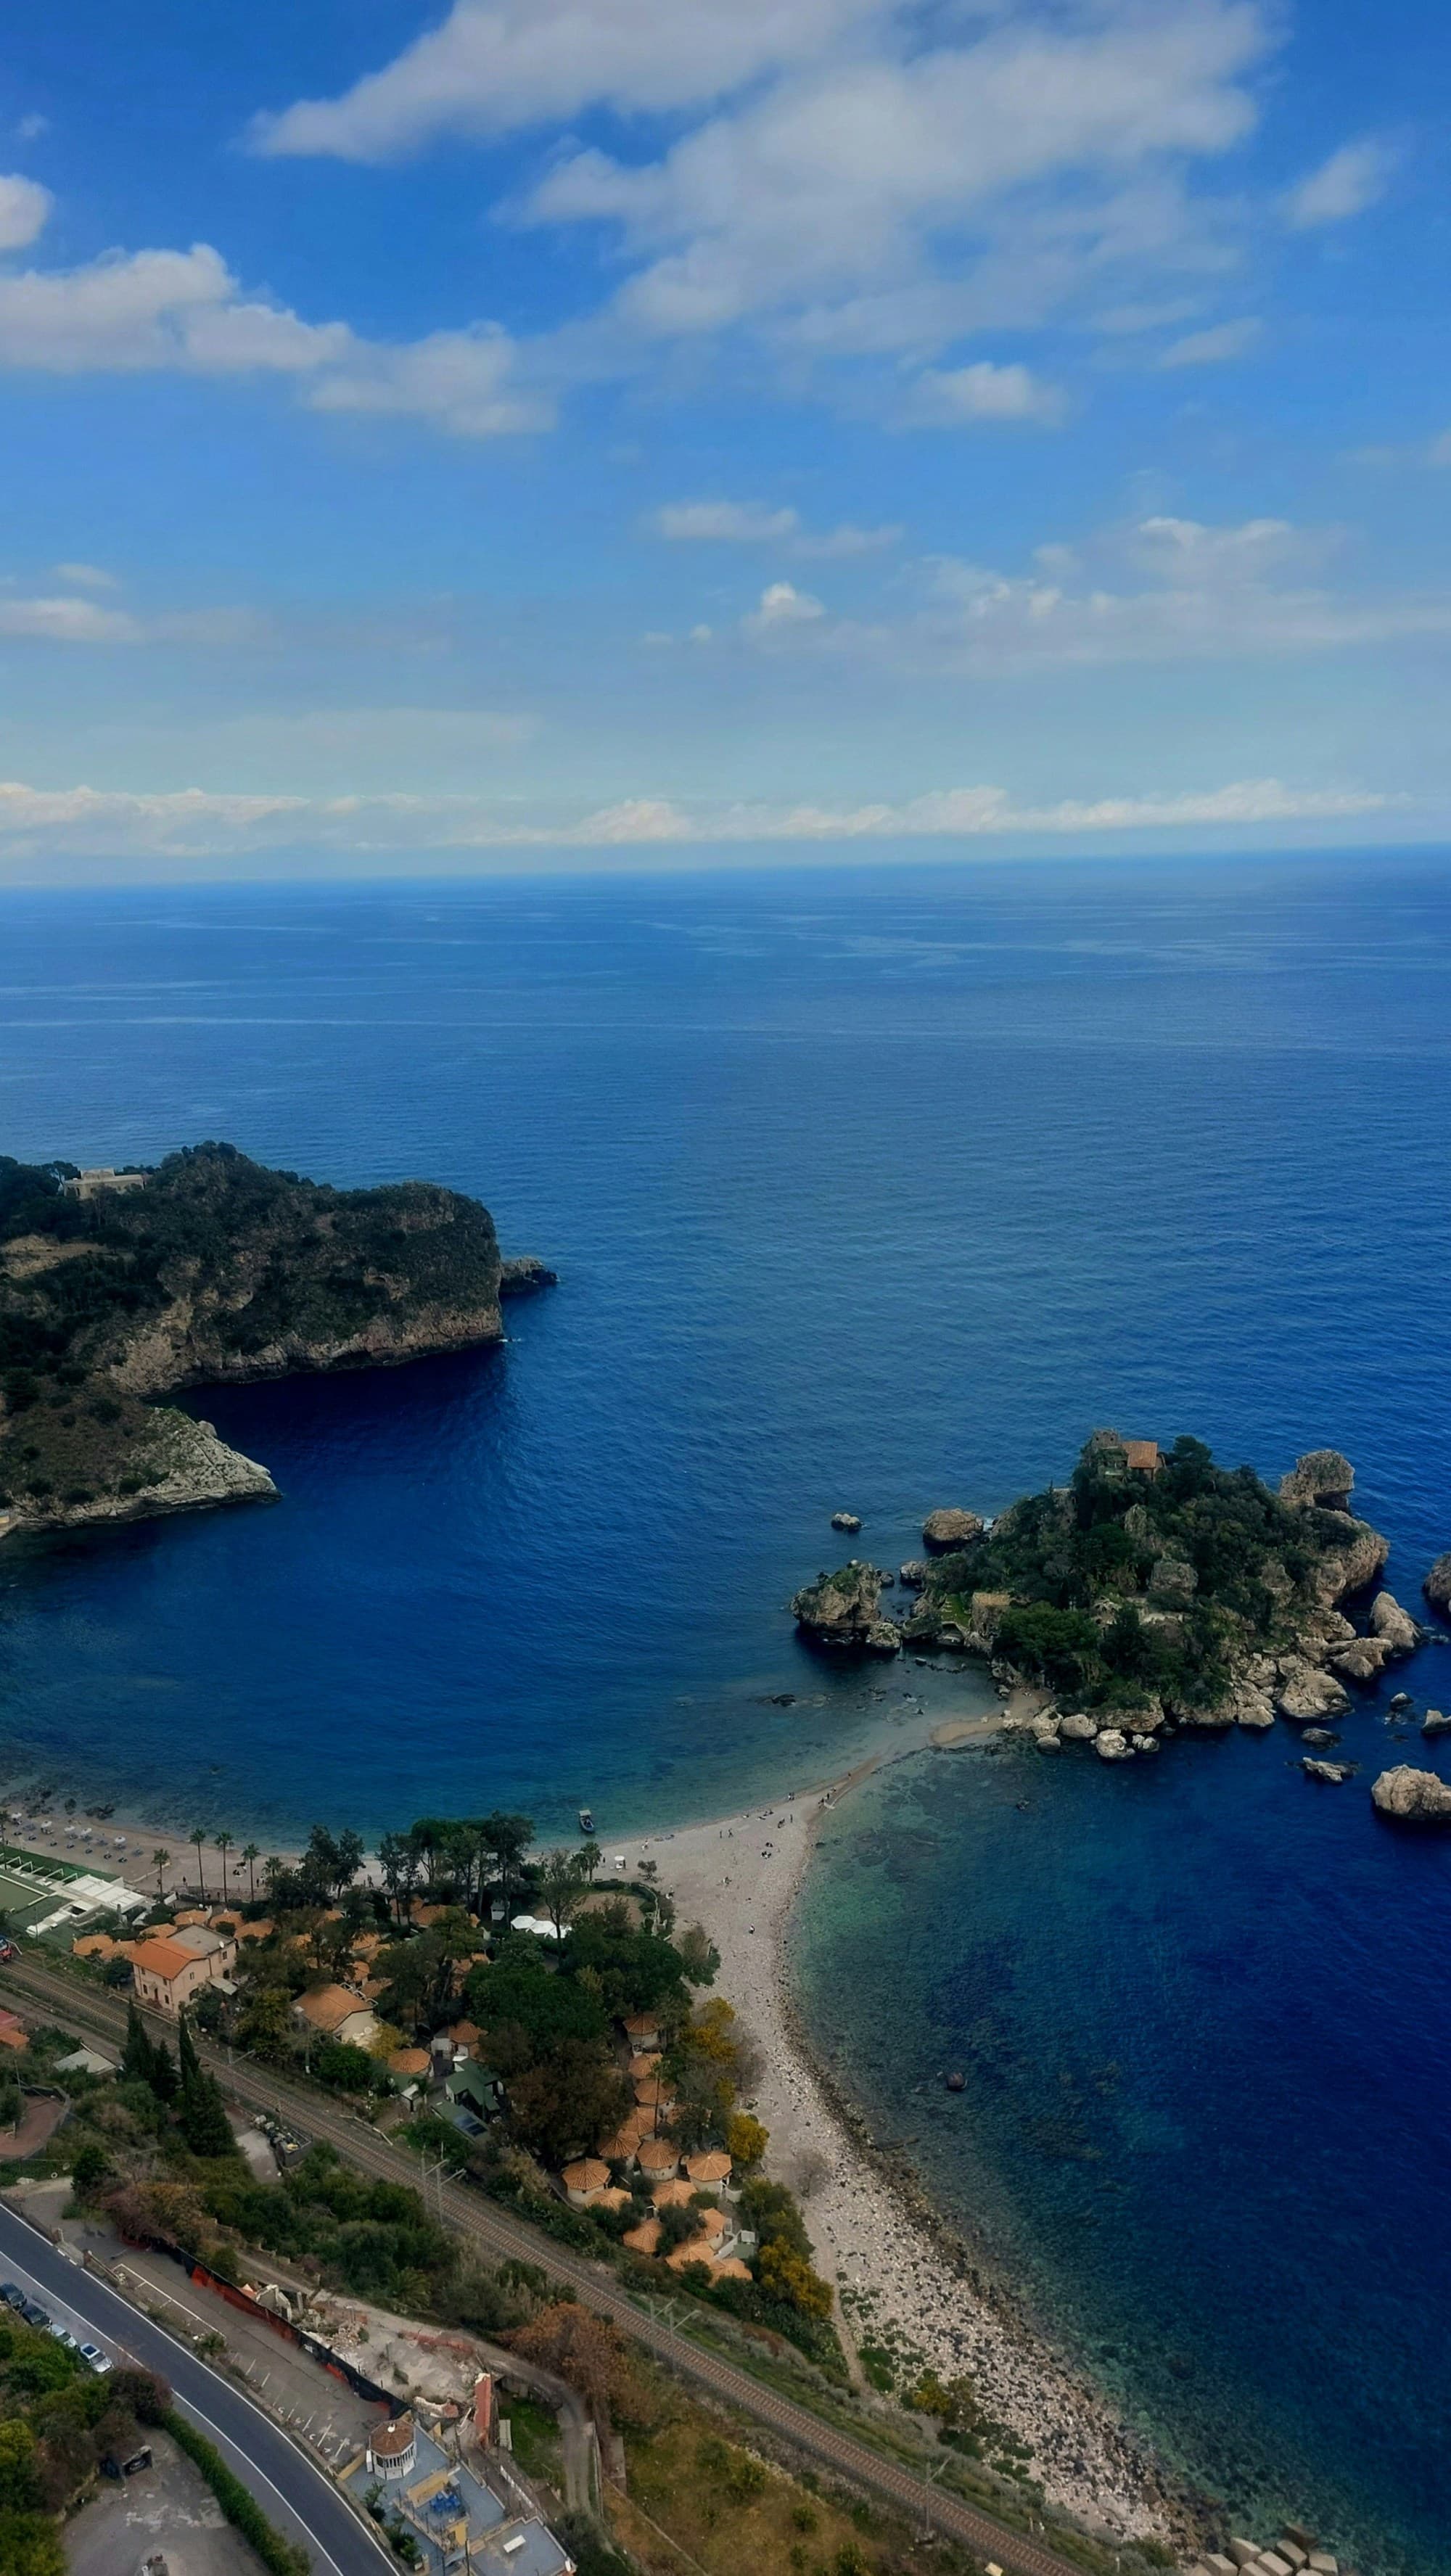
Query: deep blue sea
x,y
876,1188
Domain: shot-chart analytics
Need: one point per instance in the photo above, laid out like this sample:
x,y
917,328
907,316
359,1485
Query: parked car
x,y
64,2336
96,2360
33,2313
12,2294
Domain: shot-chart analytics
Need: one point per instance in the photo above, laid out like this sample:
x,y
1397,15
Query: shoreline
x,y
900,2269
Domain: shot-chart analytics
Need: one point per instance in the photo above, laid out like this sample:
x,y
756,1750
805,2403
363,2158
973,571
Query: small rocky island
x,y
119,1287
1154,1591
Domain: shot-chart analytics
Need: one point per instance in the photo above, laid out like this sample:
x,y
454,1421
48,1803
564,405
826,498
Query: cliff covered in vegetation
x,y
215,1270
1152,1588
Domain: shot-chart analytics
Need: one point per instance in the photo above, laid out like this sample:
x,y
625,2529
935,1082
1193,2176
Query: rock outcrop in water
x,y
1154,1592
1412,1797
209,1270
1437,1586
843,1609
950,1528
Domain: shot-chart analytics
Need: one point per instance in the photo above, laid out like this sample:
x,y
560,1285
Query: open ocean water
x,y
881,1189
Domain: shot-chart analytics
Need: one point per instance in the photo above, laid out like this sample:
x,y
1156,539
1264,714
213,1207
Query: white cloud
x,y
1214,348
31,128
1164,589
461,381
781,604
24,209
497,64
884,197
751,523
67,621
138,311
192,823
83,576
737,523
945,398
1353,178
834,544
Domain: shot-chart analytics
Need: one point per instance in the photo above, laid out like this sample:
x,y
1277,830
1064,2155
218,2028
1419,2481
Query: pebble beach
x,y
897,2274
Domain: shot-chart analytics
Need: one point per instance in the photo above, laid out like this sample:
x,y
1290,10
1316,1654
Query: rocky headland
x,y
116,1289
1154,1592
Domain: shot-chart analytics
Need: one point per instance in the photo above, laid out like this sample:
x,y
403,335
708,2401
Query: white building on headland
x,y
89,1185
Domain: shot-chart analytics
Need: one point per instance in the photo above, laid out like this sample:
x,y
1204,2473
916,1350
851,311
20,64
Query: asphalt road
x,y
317,2115
296,2497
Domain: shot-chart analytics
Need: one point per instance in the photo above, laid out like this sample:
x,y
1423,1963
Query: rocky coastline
x,y
120,1288
1157,1595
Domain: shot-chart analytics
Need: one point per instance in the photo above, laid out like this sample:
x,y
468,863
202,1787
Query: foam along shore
x,y
739,1877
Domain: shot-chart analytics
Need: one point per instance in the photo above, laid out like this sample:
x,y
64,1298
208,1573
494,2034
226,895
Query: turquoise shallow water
x,y
877,1189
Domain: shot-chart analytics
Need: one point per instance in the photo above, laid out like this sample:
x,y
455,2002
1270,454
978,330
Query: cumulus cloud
x,y
193,823
24,209
67,621
84,576
148,310
497,64
781,604
1164,589
735,523
751,523
1353,178
1215,347
946,398
891,196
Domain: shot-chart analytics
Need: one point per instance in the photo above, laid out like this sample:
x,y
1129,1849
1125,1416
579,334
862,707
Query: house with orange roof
x,y
168,1968
657,2159
644,2238
653,2094
674,2194
336,2012
642,2030
583,2182
710,2170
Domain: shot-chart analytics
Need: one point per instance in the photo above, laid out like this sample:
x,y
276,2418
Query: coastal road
x,y
298,2499
501,2237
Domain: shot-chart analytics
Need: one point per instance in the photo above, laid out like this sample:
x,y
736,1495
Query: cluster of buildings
x,y
467,2512
669,2179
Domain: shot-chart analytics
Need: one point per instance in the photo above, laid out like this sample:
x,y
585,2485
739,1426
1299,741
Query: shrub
x,y
280,2557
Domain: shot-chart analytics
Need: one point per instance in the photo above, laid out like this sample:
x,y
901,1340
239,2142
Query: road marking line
x,y
233,2445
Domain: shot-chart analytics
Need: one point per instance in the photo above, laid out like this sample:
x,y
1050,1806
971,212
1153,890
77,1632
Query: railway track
x,y
501,2236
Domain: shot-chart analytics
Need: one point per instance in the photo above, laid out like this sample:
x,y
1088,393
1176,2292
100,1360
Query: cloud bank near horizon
x,y
115,826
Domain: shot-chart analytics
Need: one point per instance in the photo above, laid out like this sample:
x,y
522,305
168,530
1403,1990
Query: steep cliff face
x,y
217,1271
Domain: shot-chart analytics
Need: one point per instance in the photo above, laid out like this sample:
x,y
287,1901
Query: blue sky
x,y
594,432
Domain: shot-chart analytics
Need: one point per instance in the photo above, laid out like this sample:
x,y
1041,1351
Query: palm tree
x,y
159,1861
198,1836
251,1854
223,1842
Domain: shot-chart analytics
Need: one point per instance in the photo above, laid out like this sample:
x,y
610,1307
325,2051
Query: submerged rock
x,y
1412,1797
1334,1772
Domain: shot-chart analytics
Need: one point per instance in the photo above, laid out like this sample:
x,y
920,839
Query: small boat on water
x,y
586,1821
